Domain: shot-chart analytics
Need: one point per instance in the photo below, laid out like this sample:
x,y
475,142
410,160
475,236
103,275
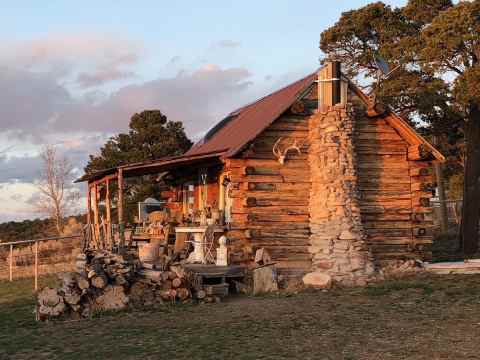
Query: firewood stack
x,y
104,282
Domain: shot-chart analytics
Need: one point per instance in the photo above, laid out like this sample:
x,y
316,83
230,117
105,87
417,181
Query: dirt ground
x,y
420,317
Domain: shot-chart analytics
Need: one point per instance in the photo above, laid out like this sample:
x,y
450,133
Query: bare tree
x,y
56,191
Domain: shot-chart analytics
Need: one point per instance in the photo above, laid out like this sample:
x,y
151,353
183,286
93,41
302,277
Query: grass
x,y
422,317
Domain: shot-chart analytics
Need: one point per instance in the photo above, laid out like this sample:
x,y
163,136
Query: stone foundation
x,y
337,242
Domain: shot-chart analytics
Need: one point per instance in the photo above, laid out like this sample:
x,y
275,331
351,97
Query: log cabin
x,y
331,184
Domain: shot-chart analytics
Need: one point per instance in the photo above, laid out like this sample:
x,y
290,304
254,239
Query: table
x,y
198,254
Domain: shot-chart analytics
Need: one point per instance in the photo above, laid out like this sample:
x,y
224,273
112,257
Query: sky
x,y
73,73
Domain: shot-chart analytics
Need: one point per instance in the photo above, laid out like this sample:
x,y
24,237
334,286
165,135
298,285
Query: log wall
x,y
270,207
394,197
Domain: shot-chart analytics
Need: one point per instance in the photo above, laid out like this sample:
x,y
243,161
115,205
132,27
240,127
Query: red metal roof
x,y
249,121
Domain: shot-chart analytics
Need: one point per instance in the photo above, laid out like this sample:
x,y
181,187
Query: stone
x,y
347,235
318,280
265,280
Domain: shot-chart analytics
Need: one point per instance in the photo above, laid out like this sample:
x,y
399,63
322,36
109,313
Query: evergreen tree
x,y
436,43
151,137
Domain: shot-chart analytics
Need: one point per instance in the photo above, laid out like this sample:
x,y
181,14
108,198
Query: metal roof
x,y
245,124
150,166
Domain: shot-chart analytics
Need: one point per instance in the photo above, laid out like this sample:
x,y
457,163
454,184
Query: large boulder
x,y
318,280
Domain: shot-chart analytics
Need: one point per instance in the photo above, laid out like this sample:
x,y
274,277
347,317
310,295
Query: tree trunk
x,y
471,190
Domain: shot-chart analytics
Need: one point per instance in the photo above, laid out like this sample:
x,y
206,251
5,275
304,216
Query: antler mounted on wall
x,y
281,154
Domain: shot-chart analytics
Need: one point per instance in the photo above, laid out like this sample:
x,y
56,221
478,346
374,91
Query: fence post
x,y
11,263
36,265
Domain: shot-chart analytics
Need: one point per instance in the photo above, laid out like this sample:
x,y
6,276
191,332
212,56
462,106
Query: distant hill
x,y
30,229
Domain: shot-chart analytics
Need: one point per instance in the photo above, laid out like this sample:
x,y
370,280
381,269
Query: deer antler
x,y
276,151
282,154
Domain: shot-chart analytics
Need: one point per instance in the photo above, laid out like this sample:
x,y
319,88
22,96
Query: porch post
x,y
109,217
121,224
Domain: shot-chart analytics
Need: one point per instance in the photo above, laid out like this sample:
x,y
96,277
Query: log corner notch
x,y
419,152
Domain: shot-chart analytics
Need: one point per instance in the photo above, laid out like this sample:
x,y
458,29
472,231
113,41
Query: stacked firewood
x,y
104,281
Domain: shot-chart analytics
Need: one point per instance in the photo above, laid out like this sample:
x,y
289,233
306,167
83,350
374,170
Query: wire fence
x,y
36,257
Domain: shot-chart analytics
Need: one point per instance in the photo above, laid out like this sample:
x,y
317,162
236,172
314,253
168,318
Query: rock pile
x,y
104,281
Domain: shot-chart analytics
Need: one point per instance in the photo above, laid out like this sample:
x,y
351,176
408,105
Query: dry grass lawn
x,y
422,317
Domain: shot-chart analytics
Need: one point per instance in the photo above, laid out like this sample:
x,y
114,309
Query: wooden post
x,y
109,215
11,262
96,219
36,265
89,203
121,224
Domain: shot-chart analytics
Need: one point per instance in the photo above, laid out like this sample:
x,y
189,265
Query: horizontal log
x,y
279,187
285,200
383,167
241,221
279,233
274,241
231,164
374,128
402,203
382,173
386,217
291,177
293,265
244,225
387,159
388,224
393,240
377,136
373,149
382,209
286,134
392,197
290,125
259,217
269,155
384,181
274,210
302,194
257,178
375,233
381,142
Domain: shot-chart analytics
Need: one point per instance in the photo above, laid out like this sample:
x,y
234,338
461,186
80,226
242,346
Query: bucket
x,y
149,252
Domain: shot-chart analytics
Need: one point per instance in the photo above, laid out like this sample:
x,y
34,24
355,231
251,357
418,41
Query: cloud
x,y
227,44
84,59
37,104
54,93
87,80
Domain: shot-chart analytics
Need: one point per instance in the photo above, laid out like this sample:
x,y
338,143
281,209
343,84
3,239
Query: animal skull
x,y
281,154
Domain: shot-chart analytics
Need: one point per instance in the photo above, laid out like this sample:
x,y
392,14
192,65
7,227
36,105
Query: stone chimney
x,y
337,241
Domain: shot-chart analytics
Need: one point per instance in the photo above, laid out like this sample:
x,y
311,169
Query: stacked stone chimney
x,y
337,242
